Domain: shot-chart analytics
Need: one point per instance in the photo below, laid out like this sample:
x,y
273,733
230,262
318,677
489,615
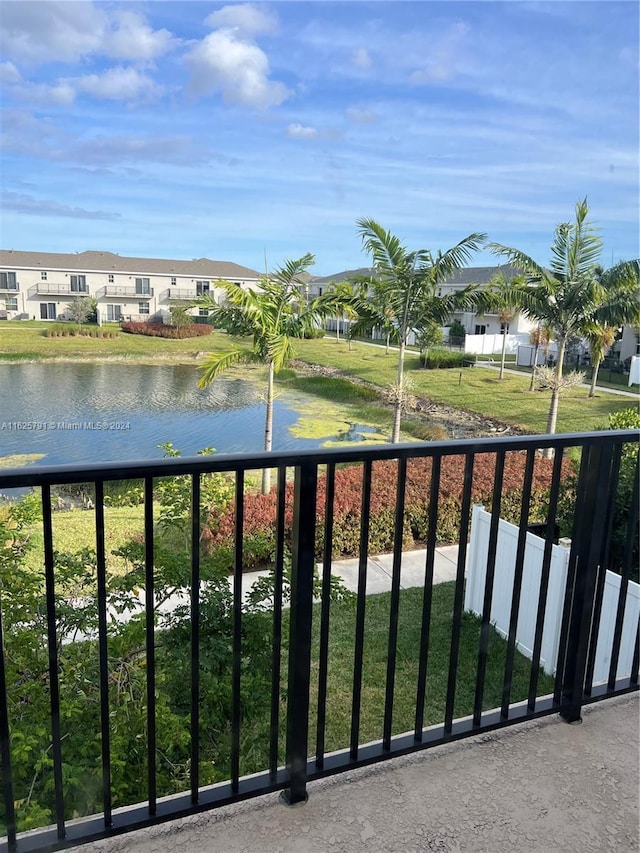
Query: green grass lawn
x,y
473,389
375,652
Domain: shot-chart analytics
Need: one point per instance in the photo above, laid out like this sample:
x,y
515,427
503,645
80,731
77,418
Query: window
x,y
174,280
504,328
47,310
480,330
143,307
319,291
110,278
202,312
11,303
78,283
43,275
202,287
8,281
143,285
114,313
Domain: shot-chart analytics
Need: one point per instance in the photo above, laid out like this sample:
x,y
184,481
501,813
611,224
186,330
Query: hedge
x,y
260,510
165,330
437,359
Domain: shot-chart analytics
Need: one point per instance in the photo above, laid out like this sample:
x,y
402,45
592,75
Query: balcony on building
x,y
111,291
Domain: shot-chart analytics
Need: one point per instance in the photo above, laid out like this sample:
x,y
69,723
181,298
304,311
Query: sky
x,y
253,131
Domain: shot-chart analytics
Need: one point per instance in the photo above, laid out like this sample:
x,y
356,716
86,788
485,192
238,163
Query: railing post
x,y
591,514
303,565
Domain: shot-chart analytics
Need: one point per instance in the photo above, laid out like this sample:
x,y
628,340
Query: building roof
x,y
465,276
110,262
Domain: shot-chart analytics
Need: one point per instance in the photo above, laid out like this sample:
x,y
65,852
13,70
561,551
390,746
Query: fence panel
x,y
503,586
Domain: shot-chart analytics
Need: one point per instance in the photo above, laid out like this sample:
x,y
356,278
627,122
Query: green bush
x,y
437,359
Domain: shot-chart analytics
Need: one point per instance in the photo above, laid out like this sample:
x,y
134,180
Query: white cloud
x,y
238,69
361,58
360,116
52,31
126,84
60,94
443,59
9,73
247,17
132,38
299,131
37,207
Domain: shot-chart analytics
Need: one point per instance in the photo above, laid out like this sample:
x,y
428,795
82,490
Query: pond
x,y
82,412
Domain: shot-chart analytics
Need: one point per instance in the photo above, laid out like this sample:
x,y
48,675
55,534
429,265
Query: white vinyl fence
x,y
502,593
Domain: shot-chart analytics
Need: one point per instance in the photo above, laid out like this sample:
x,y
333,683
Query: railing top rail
x,y
59,474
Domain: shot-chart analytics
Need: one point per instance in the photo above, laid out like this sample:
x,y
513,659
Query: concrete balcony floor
x,y
539,787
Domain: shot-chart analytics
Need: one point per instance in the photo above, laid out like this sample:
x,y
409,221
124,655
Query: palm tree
x,y
273,316
409,281
565,296
620,305
539,337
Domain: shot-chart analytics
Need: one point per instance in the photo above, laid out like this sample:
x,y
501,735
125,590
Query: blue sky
x,y
194,129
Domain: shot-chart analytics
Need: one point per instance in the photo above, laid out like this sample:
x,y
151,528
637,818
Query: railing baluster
x,y
627,565
5,750
427,596
303,565
608,509
458,599
544,580
485,628
360,609
150,642
583,593
101,568
195,637
325,612
576,534
277,625
52,642
237,634
394,606
517,582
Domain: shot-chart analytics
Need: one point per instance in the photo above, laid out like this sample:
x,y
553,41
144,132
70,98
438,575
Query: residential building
x,y
474,323
41,285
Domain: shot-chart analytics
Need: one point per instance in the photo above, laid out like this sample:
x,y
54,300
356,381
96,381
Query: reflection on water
x,y
74,412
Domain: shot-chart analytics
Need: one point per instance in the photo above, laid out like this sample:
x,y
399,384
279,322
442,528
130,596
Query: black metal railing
x,y
579,485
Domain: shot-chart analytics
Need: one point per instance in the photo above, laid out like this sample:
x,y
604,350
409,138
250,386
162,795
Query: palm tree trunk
x,y
268,430
555,392
397,413
594,377
387,346
337,329
533,369
504,352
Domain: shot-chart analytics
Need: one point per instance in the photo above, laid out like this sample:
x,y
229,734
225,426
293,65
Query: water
x,y
87,412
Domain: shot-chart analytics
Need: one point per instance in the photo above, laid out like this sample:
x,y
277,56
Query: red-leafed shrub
x,y
259,531
164,330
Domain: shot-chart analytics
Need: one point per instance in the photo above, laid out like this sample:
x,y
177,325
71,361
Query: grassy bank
x,y
472,389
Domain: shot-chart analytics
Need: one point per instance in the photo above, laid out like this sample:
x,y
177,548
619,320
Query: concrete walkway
x,y
412,569
539,787
619,391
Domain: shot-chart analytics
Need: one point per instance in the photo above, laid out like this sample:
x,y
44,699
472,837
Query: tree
x,y
619,305
273,316
565,296
80,309
409,283
538,337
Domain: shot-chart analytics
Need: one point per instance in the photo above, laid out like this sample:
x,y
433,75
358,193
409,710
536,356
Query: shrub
x,y
260,510
165,330
443,358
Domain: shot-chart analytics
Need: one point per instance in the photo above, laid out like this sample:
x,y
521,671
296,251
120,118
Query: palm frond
x,y
214,365
385,248
455,258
